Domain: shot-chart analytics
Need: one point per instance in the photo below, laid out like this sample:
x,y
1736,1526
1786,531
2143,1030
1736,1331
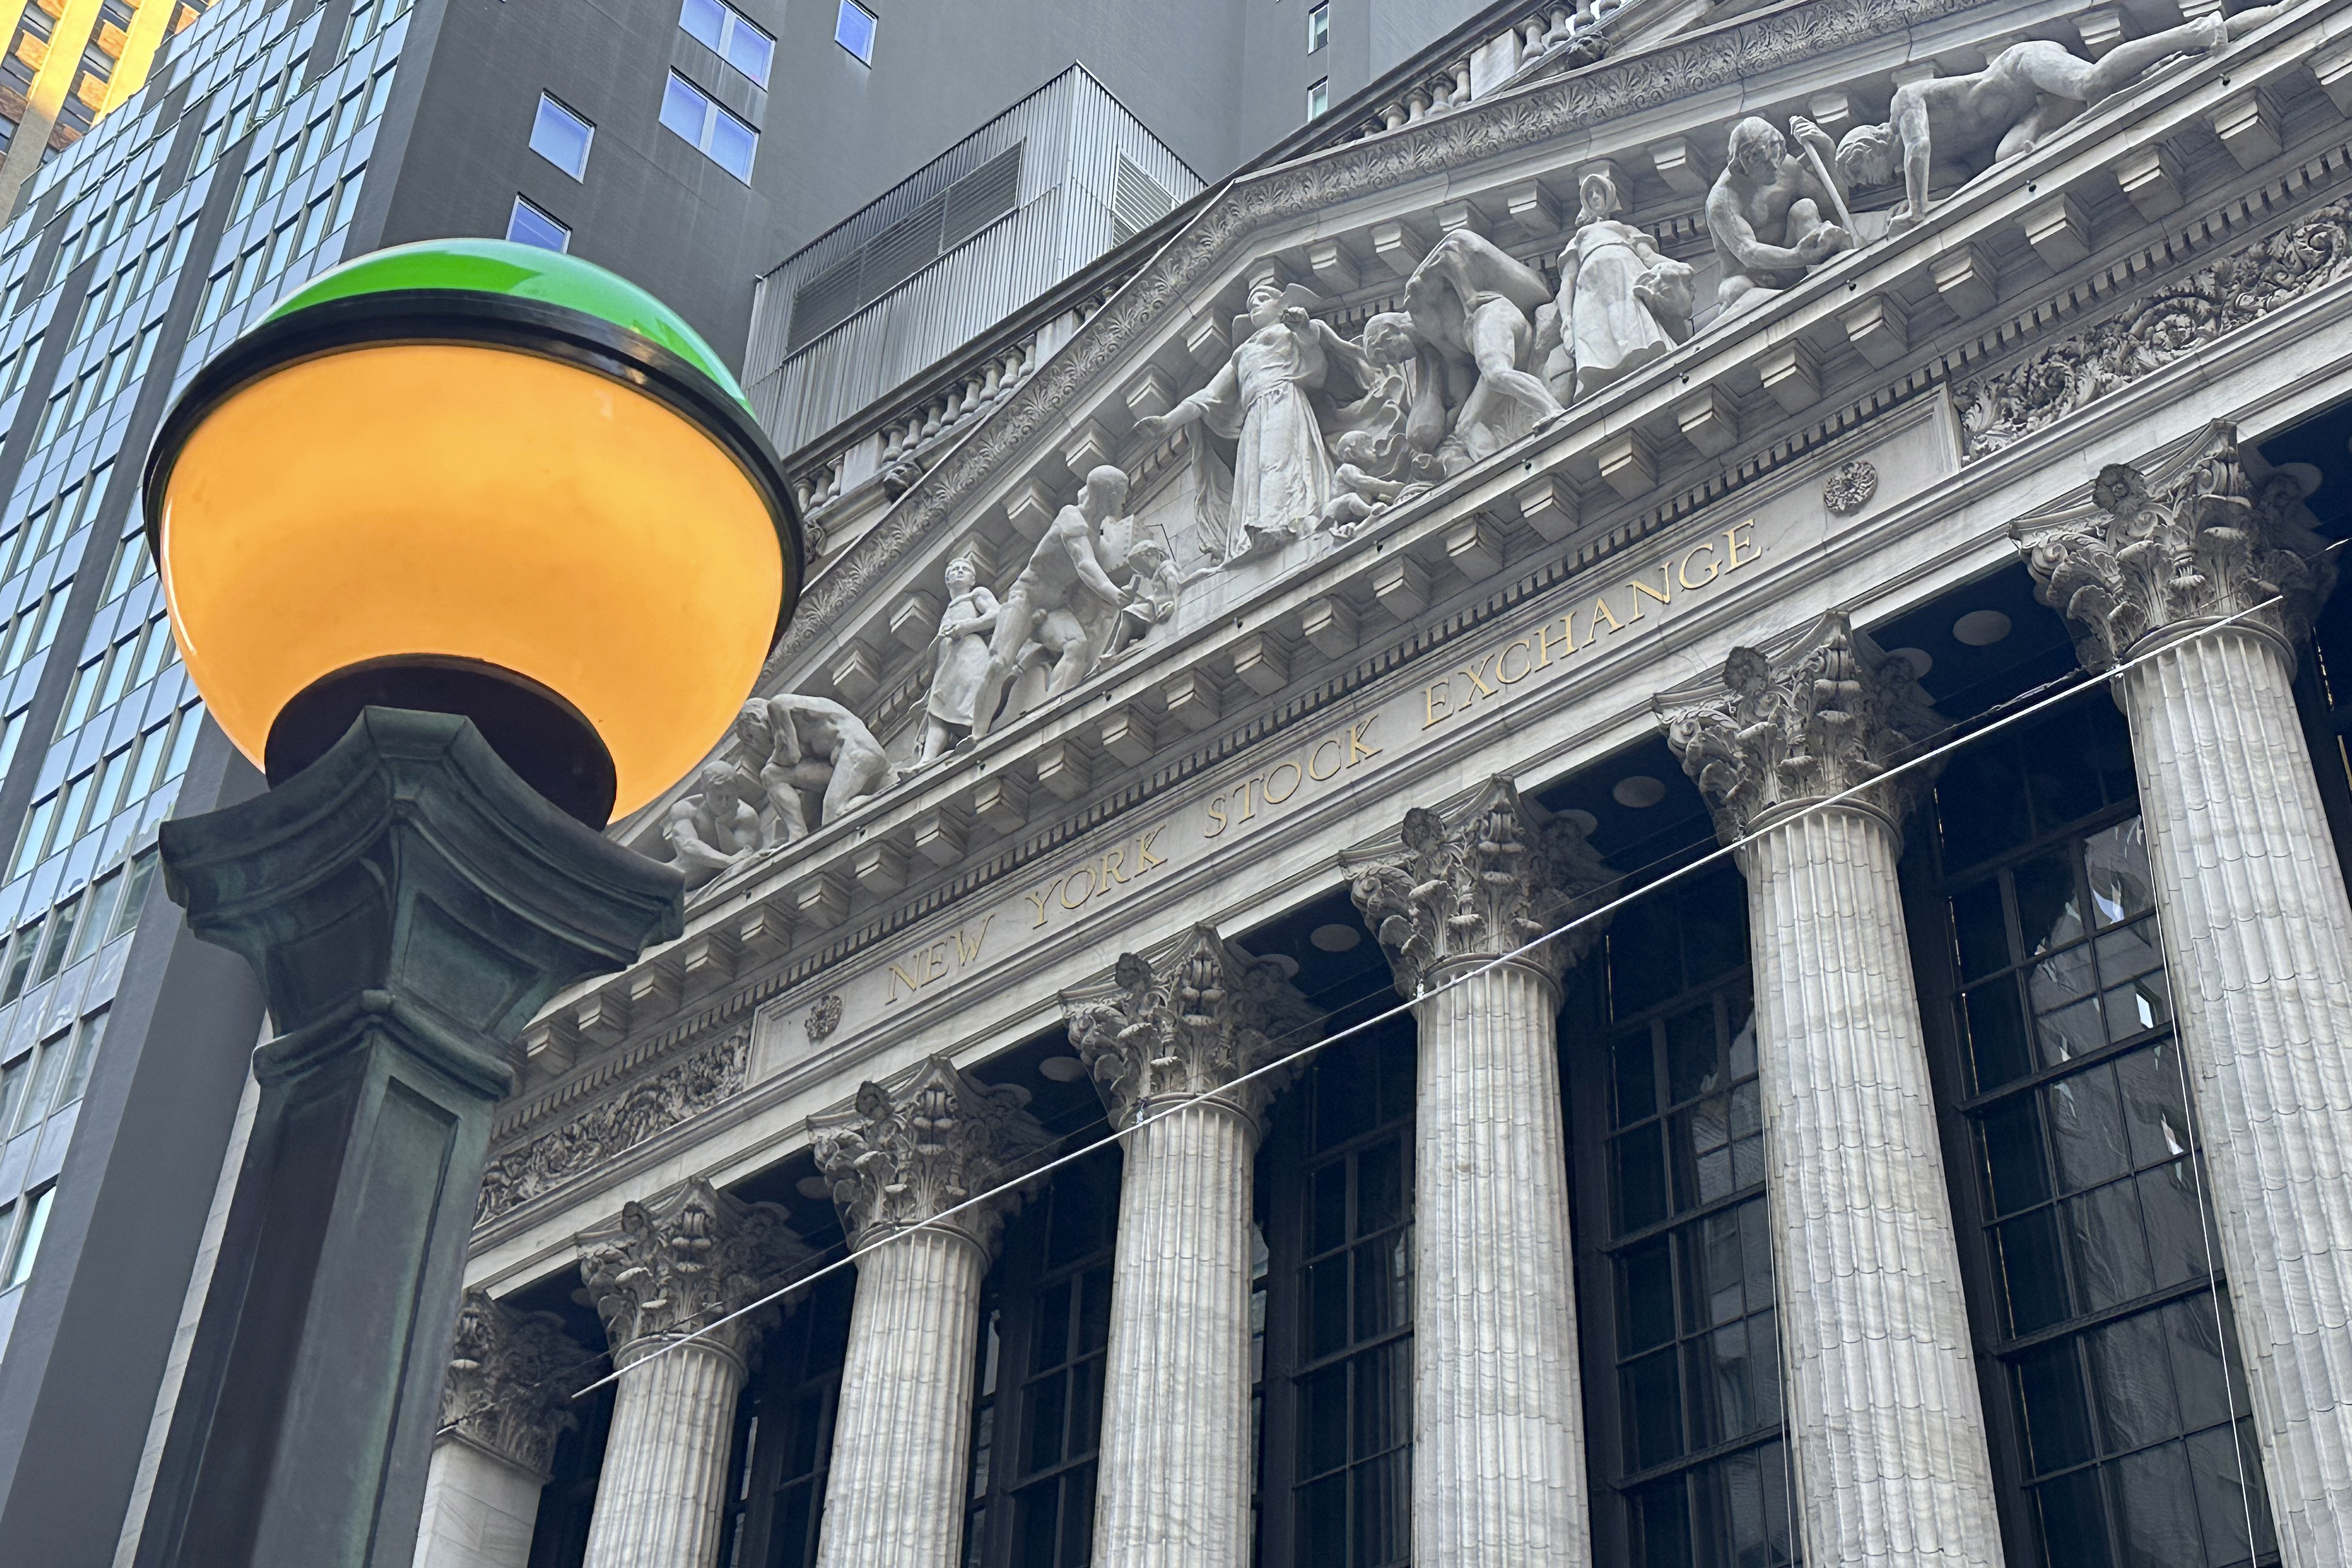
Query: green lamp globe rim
x,y
475,319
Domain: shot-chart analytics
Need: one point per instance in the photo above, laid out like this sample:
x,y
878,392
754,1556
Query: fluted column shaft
x,y
480,1509
1172,1489
1886,1424
2258,933
664,1481
902,1434
1498,1407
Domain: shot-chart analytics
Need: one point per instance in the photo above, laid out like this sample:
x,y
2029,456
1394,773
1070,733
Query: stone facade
x,y
1357,552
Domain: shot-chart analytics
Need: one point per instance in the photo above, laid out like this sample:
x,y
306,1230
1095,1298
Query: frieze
x,y
685,1088
2167,323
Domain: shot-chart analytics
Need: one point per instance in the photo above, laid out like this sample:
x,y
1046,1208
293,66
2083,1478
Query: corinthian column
x,y
1498,1410
902,1431
660,1272
506,1399
2257,933
1165,1042
1887,1426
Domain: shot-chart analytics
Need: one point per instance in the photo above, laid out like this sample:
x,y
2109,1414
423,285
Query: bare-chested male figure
x,y
711,829
1765,213
811,743
2029,91
1472,299
1062,604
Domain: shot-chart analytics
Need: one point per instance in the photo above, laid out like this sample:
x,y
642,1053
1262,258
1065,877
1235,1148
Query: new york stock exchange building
x,y
1602,826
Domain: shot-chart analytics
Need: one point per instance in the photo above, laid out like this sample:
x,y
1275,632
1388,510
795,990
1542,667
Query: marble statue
x,y
713,828
1149,593
810,743
1360,490
1475,303
1282,472
1622,303
1063,606
959,659
1770,213
2025,93
1433,385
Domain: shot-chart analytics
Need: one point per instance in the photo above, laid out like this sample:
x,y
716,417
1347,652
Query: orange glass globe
x,y
476,478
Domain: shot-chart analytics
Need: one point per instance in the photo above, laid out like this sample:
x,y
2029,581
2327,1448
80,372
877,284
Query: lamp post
x,y
469,545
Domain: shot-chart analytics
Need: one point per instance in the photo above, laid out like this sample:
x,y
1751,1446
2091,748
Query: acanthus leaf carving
x,y
1812,715
907,1152
510,1381
1483,877
2193,540
683,1261
1188,1025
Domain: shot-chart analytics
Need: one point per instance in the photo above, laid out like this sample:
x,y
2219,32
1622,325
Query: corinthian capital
x,y
1187,1025
684,1260
2189,539
911,1151
1480,879
1810,715
510,1380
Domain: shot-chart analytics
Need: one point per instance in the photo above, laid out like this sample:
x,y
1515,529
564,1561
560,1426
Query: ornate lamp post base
x,y
408,903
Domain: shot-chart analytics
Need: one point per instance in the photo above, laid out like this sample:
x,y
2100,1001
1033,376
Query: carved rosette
x,y
1188,1025
2188,542
1479,880
908,1153
1810,716
510,1380
685,1260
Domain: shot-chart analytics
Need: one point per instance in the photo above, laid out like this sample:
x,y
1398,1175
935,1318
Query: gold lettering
x,y
969,952
1567,640
1478,687
1216,816
1111,864
1144,858
1641,586
1356,746
1296,778
1601,613
1249,807
1333,742
1039,896
1731,538
935,961
900,977
1681,571
1436,699
1502,662
1071,881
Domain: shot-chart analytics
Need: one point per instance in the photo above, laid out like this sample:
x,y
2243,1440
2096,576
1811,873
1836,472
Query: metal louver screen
x,y
822,303
1136,201
982,196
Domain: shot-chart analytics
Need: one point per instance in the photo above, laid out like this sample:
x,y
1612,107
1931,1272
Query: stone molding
x,y
510,1381
907,1152
2159,327
1810,715
652,1105
682,1261
2188,541
1476,880
1188,1025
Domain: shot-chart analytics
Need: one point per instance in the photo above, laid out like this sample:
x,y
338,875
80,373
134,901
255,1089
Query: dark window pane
x,y
1714,1270
2046,914
1652,1396
2177,1241
1382,1286
2074,1522
1692,1053
1379,1188
2057,1417
1981,801
1396,1070
1078,1224
1981,930
2138,1005
1644,967
2155,1107
1094,1311
1660,1525
1636,1075
1077,1517
1734,1389
2227,1477
1323,1422
2135,950
1086,1408
1323,1306
1645,1296
2133,1376
1044,1410
2011,1137
2195,1339
2086,1130
2155,1510
1344,1104
2116,859
1996,1033
1641,1178
2109,1254
1323,1523
2070,1033
2032,1276
1383,1399
1327,1216
2060,777
1036,1514
1714,913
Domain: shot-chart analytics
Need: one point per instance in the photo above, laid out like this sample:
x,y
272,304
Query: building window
x,y
786,1434
853,29
28,1238
529,225
1684,1386
562,137
2078,1187
732,36
1318,28
1037,1408
725,140
1318,99
1337,1195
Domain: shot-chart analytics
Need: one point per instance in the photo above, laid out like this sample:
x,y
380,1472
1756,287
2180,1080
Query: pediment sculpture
x,y
795,764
